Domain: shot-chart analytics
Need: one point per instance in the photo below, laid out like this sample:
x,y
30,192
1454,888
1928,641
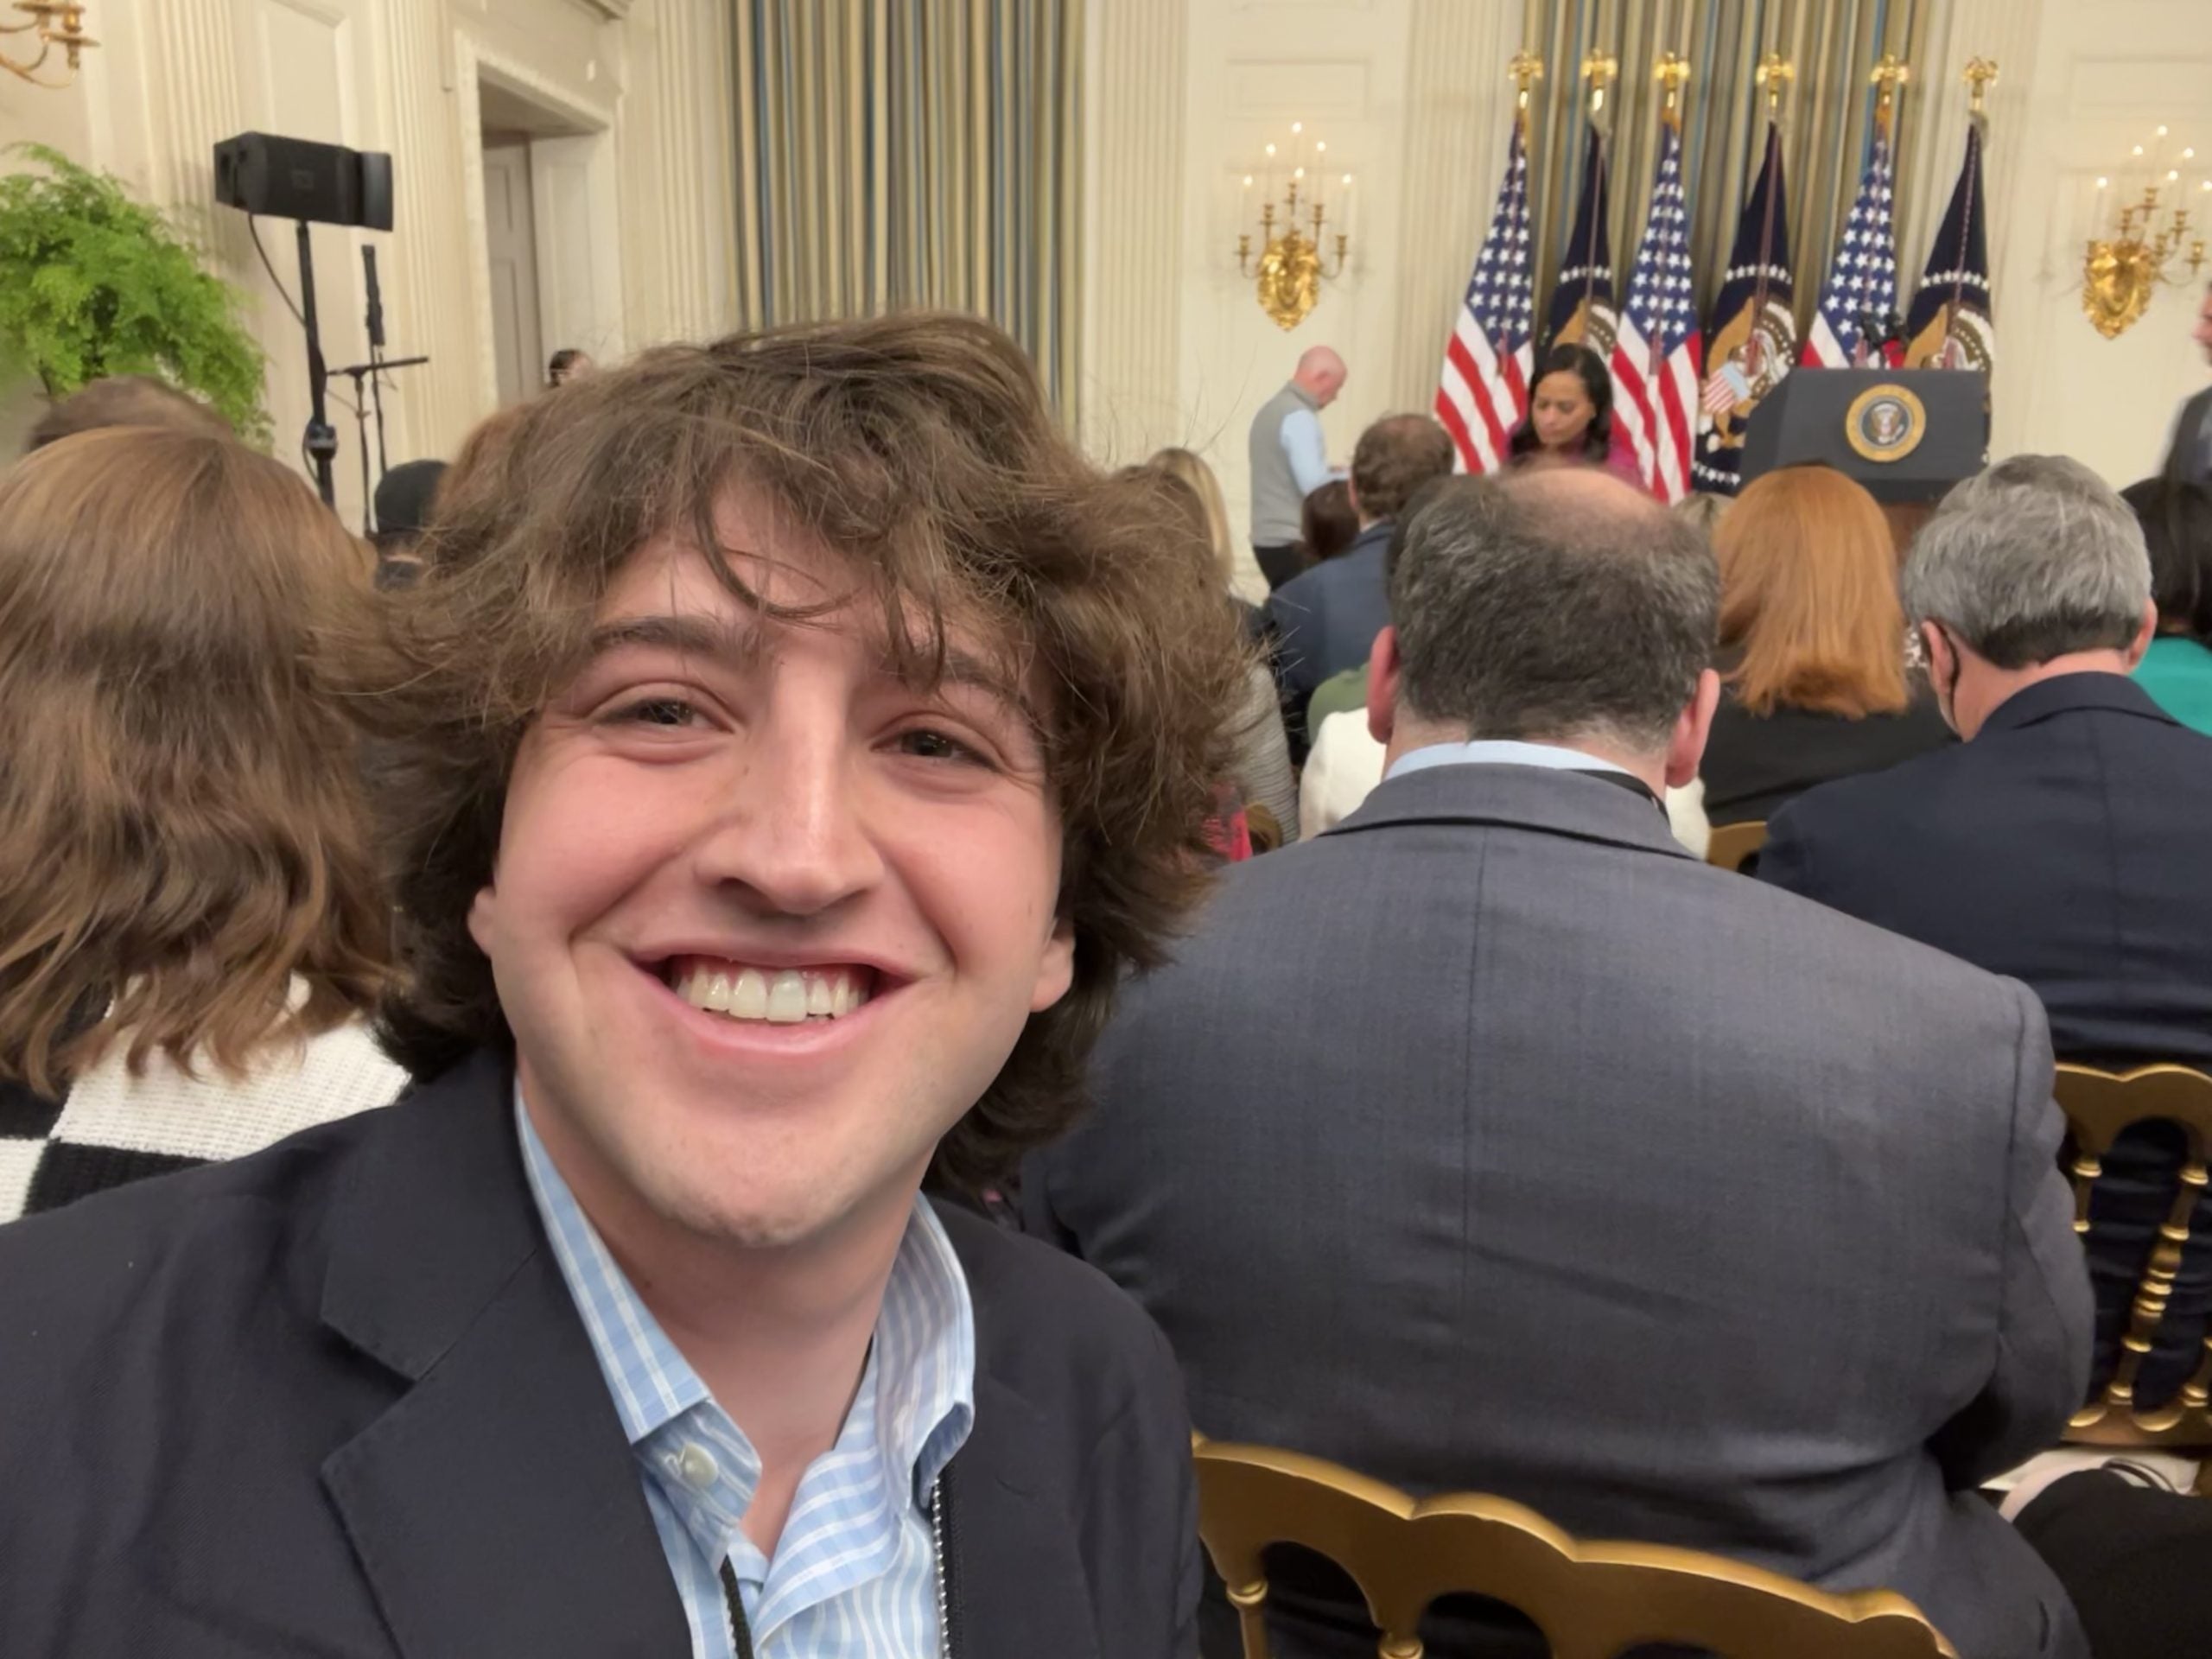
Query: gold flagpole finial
x,y
1524,71
1981,75
1599,69
1775,74
1672,74
1889,75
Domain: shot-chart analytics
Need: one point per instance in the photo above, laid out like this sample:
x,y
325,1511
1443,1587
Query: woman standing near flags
x,y
1570,418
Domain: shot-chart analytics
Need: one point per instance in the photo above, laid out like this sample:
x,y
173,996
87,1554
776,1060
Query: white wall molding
x,y
1130,403
648,78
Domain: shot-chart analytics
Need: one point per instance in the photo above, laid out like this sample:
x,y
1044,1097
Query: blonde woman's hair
x,y
1808,580
1193,471
179,797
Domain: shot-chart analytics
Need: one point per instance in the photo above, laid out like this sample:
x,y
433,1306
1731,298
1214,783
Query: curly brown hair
x,y
919,447
180,800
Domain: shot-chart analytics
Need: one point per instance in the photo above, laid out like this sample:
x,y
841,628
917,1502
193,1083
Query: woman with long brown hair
x,y
1812,645
191,925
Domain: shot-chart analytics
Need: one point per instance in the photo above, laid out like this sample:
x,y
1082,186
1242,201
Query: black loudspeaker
x,y
294,178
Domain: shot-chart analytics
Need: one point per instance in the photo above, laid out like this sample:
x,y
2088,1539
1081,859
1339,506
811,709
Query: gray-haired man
x,y
1491,1141
1289,460
2063,842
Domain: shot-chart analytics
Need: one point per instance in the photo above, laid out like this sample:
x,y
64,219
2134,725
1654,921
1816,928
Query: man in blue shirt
x,y
1290,460
755,861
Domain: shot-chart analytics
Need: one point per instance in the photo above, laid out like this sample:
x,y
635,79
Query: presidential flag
x,y
1864,278
1657,353
1484,388
1582,301
1753,338
1953,323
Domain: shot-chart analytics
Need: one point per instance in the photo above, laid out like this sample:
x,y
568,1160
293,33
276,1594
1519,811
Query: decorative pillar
x,y
1128,402
431,312
191,54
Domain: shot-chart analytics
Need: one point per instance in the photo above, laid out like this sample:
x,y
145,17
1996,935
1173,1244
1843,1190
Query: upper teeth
x,y
782,996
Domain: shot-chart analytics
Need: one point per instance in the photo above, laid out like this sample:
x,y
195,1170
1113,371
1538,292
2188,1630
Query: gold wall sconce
x,y
51,24
2152,240
1291,265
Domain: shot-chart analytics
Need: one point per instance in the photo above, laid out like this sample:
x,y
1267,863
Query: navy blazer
x,y
2186,453
1326,620
335,1399
2064,846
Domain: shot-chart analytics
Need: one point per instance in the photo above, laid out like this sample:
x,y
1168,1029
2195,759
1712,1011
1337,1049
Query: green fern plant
x,y
94,283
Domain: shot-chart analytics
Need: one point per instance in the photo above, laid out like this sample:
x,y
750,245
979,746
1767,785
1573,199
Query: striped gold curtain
x,y
1826,118
895,153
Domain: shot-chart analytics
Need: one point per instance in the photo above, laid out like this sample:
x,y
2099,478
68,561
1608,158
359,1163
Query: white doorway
x,y
548,273
511,257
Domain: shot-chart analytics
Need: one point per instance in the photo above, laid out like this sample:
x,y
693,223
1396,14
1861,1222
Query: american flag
x,y
1485,390
1658,353
1864,278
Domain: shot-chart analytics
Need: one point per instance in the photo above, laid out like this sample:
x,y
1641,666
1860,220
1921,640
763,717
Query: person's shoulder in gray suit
x,y
1488,1141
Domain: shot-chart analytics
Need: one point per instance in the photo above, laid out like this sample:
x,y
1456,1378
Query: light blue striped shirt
x,y
1303,447
855,1573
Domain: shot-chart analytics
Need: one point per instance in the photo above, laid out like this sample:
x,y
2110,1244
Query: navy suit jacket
x,y
335,1399
2065,846
2185,454
1324,621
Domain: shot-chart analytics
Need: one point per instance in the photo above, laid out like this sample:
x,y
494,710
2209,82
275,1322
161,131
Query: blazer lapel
x,y
1019,1587
495,1508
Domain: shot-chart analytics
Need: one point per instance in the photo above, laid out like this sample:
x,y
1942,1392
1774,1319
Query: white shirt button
x,y
697,1468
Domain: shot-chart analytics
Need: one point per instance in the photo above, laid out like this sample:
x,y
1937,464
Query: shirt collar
x,y
1497,751
923,1358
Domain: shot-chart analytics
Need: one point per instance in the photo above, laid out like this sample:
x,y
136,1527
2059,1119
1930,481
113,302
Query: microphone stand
x,y
364,377
321,441
368,377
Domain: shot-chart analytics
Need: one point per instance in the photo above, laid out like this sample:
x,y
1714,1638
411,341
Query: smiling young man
x,y
791,743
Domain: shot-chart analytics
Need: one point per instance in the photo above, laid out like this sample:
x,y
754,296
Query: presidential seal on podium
x,y
1884,423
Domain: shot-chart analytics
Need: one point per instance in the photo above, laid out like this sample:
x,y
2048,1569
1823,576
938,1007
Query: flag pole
x,y
1598,69
1774,73
1981,74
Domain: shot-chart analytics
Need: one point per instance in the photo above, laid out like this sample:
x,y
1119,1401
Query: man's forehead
x,y
670,596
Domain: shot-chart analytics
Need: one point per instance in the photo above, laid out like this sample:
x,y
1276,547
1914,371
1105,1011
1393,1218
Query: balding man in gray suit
x,y
1490,1142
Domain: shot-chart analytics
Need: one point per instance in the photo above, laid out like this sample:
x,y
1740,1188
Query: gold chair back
x,y
1265,829
1734,845
1593,1601
2099,1105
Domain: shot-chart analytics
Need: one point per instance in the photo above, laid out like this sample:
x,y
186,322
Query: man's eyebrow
x,y
721,638
956,667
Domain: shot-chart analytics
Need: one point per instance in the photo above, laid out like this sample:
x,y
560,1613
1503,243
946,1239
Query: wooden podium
x,y
1907,434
